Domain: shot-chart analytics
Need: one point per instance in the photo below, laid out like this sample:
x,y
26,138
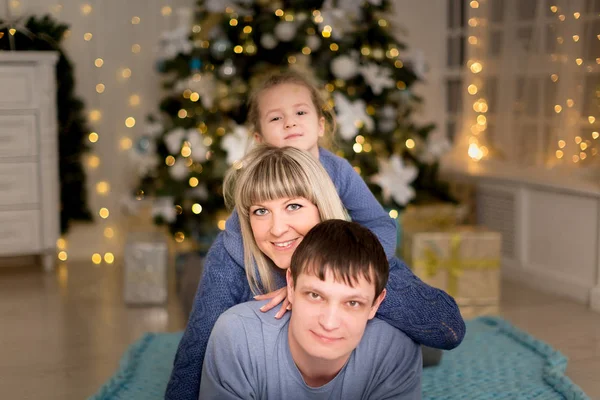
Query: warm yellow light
x,y
104,213
579,61
93,137
475,152
481,119
557,108
130,122
170,161
357,147
87,36
98,62
136,48
333,47
126,73
279,12
12,31
570,103
473,40
357,169
553,9
382,22
289,17
559,154
472,89
410,144
474,4
134,100
360,139
96,258
576,15
109,258
182,113
247,29
575,159
125,143
194,97
595,135
196,208
591,119
554,77
476,67
583,146
221,224
578,139
109,232
166,11
562,144
179,237
401,85
393,214
135,20
86,9
100,88
62,256
576,38
102,187
93,161
193,181
583,156
560,40
473,22
398,64
95,115
233,22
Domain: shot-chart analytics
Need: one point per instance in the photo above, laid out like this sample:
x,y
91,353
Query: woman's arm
x,y
362,206
223,285
427,315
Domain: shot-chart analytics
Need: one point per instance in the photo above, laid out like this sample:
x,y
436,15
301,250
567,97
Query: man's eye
x,y
353,303
294,207
313,295
259,211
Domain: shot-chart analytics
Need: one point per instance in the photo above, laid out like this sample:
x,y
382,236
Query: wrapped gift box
x,y
464,261
146,269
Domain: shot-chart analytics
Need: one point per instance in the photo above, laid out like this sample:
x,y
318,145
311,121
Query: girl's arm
x,y
362,206
223,285
427,315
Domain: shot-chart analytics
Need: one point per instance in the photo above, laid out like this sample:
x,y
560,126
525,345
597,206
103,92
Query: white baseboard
x,y
543,280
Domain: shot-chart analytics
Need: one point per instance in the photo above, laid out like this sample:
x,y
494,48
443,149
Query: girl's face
x,y
280,225
288,117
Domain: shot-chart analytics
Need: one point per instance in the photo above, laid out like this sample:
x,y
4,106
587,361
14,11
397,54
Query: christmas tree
x,y
209,69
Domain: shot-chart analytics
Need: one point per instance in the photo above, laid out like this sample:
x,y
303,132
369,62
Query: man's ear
x,y
377,303
290,286
258,137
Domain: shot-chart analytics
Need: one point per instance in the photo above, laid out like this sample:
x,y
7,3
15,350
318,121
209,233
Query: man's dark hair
x,y
345,248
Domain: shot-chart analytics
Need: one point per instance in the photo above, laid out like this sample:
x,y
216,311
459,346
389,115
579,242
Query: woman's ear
x,y
257,137
376,304
290,285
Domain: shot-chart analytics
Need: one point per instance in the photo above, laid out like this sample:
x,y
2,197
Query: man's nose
x,y
329,318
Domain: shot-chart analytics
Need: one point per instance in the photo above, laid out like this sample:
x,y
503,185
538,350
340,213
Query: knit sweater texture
x,y
427,315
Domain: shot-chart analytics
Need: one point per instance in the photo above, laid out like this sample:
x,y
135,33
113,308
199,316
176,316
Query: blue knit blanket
x,y
495,361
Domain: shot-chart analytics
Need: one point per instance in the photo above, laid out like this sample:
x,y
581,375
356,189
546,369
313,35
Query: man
x,y
329,346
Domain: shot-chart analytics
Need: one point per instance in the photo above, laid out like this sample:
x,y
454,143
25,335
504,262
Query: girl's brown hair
x,y
290,76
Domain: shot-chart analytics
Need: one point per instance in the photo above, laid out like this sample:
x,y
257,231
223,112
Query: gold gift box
x,y
464,261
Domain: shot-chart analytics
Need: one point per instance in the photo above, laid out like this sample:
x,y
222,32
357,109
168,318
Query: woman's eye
x,y
294,207
259,211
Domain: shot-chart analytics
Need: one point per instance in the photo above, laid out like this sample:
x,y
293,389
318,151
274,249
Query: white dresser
x,y
29,175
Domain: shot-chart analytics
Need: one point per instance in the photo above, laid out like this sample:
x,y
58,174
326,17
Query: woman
x,y
280,194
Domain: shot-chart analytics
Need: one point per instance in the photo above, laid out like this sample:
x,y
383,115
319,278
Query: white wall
x,y
422,26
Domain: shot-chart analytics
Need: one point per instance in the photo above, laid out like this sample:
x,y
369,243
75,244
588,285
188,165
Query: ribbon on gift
x,y
432,262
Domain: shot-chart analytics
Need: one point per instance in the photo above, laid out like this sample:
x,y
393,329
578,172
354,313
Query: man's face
x,y
328,317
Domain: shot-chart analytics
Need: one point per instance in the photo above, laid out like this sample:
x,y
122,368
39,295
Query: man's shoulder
x,y
381,335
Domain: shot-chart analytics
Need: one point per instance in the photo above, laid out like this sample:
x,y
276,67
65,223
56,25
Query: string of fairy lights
x,y
100,81
567,141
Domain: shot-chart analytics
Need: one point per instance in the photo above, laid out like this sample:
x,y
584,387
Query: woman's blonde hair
x,y
271,173
293,77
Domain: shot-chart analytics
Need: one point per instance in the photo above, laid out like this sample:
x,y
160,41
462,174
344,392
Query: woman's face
x,y
280,225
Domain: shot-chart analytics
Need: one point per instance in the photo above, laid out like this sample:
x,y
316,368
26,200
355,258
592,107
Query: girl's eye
x,y
294,207
259,212
301,112
275,118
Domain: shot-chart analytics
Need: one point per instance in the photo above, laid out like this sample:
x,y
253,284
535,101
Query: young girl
x,y
286,110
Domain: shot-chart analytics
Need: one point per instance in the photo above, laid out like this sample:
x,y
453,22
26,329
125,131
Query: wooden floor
x,y
62,333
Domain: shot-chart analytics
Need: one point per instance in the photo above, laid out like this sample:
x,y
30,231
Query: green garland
x,y
45,34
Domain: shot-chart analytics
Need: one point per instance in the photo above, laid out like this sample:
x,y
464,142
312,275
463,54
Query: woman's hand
x,y
276,296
